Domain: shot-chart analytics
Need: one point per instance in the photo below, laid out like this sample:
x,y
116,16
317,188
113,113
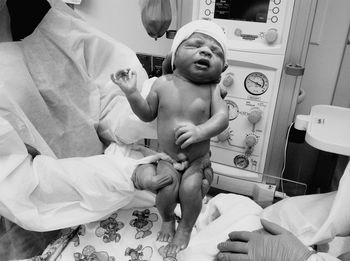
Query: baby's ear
x,y
225,67
166,65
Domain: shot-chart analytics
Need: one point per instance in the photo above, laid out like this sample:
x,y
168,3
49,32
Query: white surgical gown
x,y
55,95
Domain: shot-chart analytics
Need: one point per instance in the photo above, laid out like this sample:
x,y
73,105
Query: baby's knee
x,y
191,186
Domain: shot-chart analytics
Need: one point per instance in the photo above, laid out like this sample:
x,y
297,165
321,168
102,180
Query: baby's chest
x,y
186,102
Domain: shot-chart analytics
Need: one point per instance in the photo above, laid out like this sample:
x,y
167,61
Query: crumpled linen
x,y
315,219
47,193
322,257
223,214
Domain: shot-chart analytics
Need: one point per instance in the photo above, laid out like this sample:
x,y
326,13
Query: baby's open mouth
x,y
203,63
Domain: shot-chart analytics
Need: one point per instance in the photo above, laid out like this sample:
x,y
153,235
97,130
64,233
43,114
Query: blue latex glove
x,y
273,244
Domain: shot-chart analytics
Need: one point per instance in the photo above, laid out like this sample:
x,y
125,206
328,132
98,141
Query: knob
x,y
225,135
228,80
271,36
254,115
251,140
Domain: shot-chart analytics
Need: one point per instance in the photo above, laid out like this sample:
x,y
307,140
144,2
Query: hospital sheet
x,y
130,234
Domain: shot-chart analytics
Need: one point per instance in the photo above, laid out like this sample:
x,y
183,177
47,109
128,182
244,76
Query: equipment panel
x,y
254,25
250,100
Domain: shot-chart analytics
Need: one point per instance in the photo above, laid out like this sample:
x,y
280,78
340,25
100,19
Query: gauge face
x,y
241,161
232,110
256,83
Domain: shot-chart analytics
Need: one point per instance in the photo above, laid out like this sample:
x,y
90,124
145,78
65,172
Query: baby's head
x,y
199,51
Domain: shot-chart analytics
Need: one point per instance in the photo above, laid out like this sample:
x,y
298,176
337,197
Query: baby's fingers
x,y
187,142
179,139
123,73
180,130
118,77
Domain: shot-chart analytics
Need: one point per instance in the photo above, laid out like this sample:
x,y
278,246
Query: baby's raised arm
x,y
146,110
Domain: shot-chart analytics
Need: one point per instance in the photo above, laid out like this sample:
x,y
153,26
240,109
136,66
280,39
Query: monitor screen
x,y
243,10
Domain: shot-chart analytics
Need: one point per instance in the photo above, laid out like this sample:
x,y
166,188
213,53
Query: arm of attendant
x,y
145,109
56,193
218,121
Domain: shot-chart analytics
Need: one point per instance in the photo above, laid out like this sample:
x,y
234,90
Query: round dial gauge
x,y
256,83
241,161
232,109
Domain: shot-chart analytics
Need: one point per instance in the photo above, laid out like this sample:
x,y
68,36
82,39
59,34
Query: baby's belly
x,y
166,139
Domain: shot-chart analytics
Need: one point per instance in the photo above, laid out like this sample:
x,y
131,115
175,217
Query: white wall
x,y
342,91
325,54
121,19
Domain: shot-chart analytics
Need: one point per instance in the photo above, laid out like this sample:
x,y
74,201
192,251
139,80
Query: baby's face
x,y
200,59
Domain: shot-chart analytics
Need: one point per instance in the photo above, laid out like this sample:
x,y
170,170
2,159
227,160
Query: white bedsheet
x,y
137,234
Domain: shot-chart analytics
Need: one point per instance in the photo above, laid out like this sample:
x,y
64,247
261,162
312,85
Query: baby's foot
x,y
180,242
167,231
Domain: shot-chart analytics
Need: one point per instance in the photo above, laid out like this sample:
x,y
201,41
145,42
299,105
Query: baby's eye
x,y
195,45
194,42
217,51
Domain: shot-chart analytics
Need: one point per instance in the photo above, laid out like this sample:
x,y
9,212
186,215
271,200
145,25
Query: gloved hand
x,y
279,245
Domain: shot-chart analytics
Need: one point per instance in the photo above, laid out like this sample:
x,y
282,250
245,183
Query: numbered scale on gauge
x,y
241,161
233,110
256,83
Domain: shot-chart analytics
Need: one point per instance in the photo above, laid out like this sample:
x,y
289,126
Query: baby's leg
x,y
166,201
190,196
144,177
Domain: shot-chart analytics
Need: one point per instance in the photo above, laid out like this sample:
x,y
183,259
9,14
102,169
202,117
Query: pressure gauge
x,y
256,83
241,161
233,110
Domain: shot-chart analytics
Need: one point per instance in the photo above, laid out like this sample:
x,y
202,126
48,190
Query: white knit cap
x,y
199,26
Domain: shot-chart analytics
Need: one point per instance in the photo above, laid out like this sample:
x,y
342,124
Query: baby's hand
x,y
155,158
187,134
126,80
163,156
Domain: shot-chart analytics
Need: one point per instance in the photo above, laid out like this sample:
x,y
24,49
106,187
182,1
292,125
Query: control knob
x,y
225,135
271,36
228,80
250,140
254,115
